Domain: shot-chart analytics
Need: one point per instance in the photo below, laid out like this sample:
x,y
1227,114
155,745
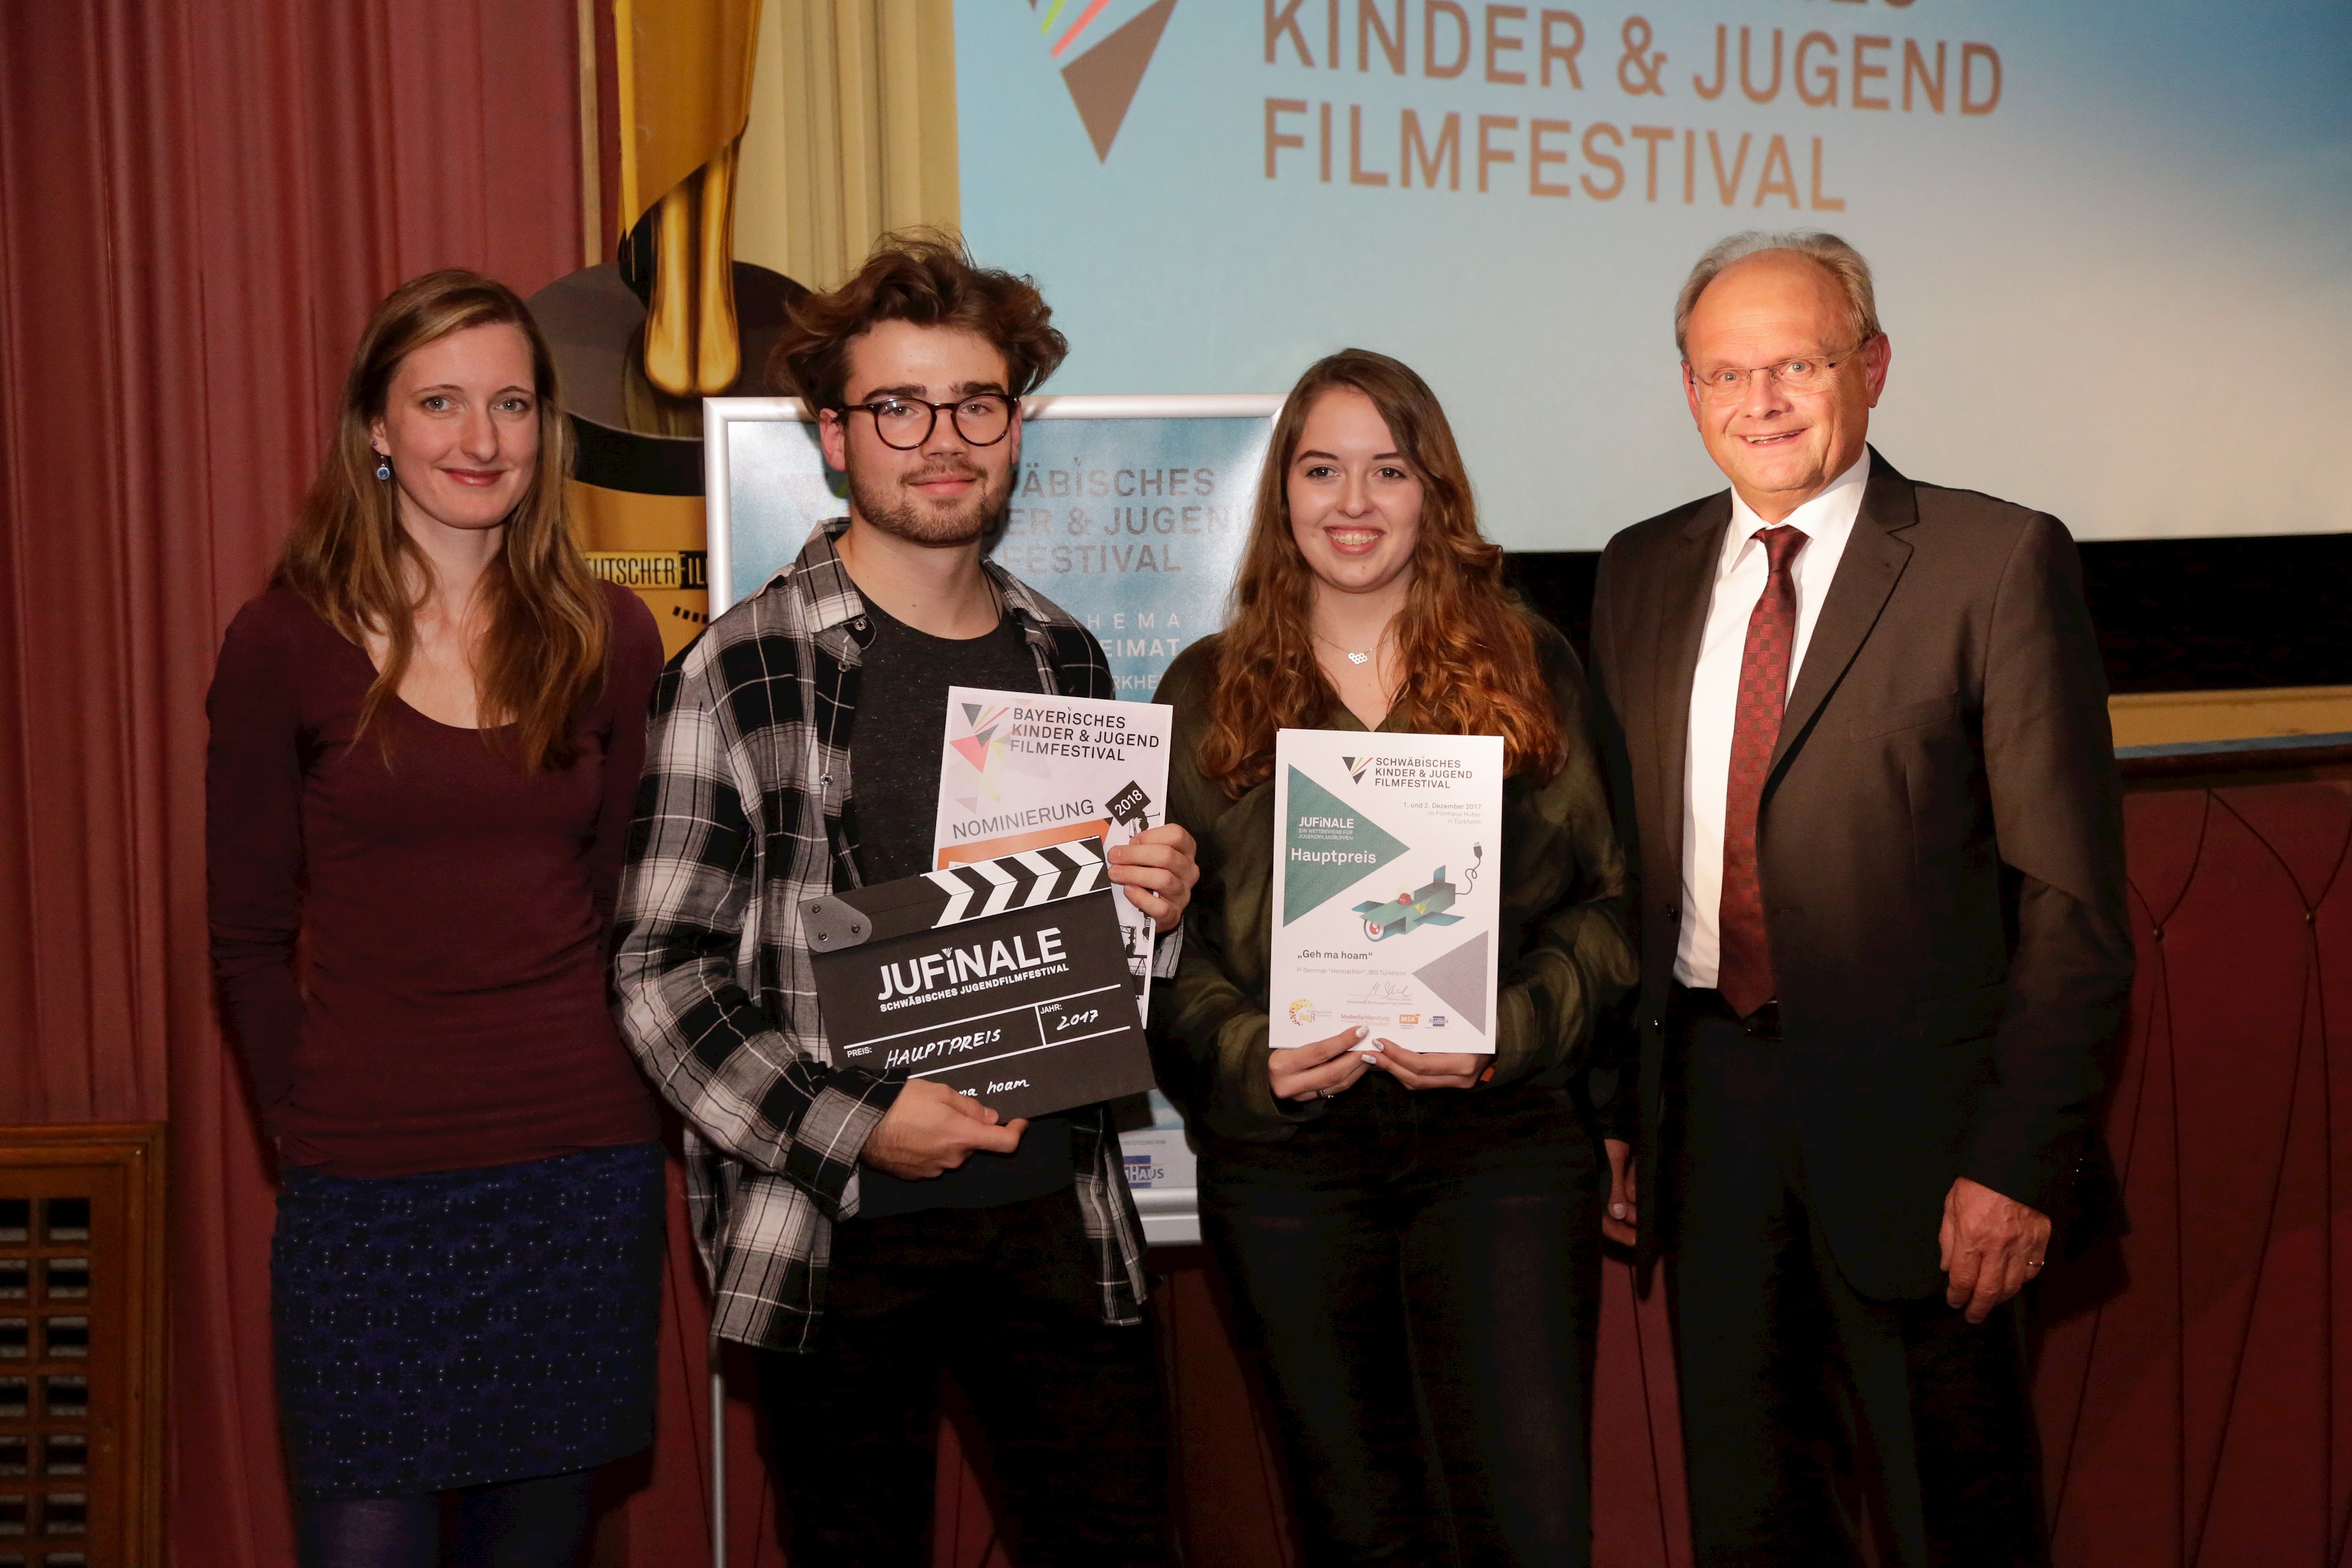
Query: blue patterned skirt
x,y
468,1326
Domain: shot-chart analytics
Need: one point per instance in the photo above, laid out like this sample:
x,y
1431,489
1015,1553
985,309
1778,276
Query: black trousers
x,y
1004,1301
1812,1415
1418,1281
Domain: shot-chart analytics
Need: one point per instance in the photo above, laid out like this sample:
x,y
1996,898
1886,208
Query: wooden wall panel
x,y
81,1346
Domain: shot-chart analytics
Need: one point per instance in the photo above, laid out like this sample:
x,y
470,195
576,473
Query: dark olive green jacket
x,y
1562,945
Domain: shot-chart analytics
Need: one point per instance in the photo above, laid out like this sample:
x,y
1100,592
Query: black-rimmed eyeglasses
x,y
906,423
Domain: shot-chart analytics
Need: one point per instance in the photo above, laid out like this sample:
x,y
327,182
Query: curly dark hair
x,y
926,277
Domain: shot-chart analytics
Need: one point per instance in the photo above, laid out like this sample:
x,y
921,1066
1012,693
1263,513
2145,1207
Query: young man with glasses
x,y
1869,800
865,1233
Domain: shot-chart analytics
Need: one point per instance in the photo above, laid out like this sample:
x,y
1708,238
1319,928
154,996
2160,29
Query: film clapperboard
x,y
1006,979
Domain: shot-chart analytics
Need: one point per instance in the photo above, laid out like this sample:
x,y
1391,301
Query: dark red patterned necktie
x,y
1744,974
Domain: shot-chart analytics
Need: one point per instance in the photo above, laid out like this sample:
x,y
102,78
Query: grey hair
x,y
1833,255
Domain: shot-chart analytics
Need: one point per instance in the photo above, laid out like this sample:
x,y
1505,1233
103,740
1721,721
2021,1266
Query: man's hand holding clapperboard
x,y
1002,980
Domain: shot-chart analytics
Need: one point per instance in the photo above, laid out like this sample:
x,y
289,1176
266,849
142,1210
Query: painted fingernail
x,y
1616,1211
1361,1031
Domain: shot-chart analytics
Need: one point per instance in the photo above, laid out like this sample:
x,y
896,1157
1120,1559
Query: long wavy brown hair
x,y
541,658
1466,646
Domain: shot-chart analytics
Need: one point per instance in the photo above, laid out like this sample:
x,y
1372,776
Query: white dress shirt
x,y
1826,521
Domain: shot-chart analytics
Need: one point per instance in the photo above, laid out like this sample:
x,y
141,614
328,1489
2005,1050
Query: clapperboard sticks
x,y
980,888
972,891
977,889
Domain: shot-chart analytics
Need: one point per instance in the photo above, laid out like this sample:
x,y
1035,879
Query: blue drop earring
x,y
382,467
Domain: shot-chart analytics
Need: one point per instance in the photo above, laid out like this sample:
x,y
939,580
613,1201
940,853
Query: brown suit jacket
x,y
1940,849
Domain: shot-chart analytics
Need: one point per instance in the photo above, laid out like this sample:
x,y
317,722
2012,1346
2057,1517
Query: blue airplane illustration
x,y
1408,910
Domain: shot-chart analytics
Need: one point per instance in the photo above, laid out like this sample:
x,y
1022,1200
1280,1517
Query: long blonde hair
x,y
543,653
1467,646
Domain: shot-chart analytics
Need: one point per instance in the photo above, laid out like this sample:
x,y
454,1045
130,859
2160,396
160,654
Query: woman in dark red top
x,y
424,739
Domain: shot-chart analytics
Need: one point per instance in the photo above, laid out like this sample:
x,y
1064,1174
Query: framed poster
x,y
1129,512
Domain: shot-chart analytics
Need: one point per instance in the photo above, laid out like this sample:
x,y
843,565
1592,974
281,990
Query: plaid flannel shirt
x,y
744,812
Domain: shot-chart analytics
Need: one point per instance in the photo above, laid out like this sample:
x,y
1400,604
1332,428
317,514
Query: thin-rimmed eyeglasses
x,y
1804,373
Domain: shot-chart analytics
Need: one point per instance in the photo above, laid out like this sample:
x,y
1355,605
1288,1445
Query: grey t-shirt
x,y
894,772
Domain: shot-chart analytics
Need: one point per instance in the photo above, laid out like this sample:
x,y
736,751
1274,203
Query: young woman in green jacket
x,y
1413,1236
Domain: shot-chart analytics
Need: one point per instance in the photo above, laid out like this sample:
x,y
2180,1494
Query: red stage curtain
x,y
2195,1383
199,201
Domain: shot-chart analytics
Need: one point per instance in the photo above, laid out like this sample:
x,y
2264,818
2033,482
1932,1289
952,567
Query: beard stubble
x,y
885,503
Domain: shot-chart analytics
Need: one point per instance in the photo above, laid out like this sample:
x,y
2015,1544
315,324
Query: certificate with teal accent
x,y
1384,887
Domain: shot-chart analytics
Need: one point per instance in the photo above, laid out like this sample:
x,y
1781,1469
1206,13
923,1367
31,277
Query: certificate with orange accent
x,y
1385,902
1020,771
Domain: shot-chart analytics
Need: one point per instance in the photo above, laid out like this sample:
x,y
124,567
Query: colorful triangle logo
x,y
1102,81
973,748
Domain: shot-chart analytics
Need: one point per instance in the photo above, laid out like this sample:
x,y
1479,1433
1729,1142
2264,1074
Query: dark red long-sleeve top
x,y
448,1007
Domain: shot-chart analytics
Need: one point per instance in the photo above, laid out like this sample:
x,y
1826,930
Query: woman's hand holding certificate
x,y
1322,1068
1434,1069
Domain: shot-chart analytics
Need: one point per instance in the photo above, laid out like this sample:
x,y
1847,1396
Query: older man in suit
x,y
1864,771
